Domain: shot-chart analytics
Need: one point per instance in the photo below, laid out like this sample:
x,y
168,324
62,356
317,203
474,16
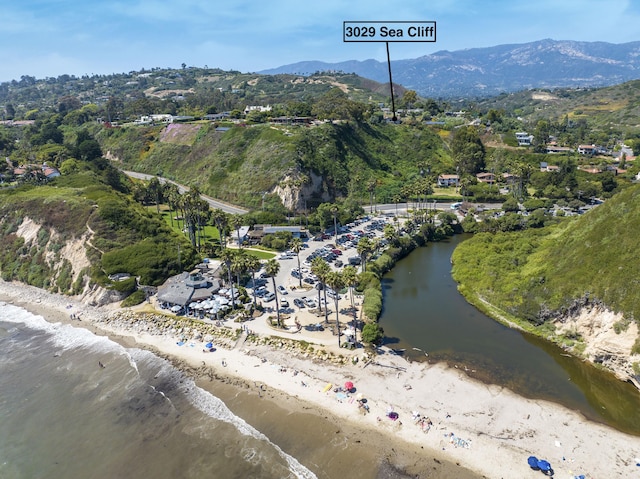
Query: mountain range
x,y
483,72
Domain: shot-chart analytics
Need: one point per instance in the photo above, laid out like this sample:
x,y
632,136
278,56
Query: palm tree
x,y
154,191
221,220
272,268
253,265
227,257
390,233
350,278
296,246
334,212
371,188
236,222
365,248
172,194
321,268
239,264
396,200
334,279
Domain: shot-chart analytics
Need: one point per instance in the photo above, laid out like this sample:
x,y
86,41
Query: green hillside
x,y
72,233
242,163
539,274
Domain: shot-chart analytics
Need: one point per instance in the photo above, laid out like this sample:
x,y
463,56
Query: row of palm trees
x,y
193,212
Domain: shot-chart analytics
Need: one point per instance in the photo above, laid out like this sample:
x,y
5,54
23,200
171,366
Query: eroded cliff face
x,y
64,263
608,339
293,192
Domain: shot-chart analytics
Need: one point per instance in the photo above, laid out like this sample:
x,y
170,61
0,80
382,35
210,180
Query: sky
x,y
48,38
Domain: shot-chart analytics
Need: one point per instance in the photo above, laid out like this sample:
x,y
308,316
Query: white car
x,y
311,303
282,290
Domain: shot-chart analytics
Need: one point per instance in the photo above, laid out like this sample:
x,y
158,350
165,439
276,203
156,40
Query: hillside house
x,y
250,108
592,150
524,138
445,181
510,179
553,148
544,166
49,172
486,177
587,150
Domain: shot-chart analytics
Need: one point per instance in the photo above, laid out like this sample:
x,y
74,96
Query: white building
x,y
524,138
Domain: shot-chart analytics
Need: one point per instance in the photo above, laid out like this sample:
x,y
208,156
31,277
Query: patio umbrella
x,y
175,309
348,385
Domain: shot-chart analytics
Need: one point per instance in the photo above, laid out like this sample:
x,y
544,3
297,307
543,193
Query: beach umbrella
x,y
533,462
348,385
209,345
544,465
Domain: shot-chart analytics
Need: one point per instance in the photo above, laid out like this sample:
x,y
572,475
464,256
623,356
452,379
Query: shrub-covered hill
x,y
323,162
71,234
540,274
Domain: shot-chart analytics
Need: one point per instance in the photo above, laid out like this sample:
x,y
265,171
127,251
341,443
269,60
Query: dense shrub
x,y
372,333
137,297
126,286
372,304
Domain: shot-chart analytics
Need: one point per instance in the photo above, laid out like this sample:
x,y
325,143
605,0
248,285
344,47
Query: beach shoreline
x,y
476,430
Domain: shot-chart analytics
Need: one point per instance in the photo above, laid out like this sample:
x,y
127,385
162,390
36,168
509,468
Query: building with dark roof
x,y
186,287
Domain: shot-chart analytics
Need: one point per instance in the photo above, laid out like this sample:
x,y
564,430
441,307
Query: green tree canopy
x,y
468,150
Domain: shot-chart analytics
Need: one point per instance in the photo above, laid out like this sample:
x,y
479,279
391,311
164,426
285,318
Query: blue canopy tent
x,y
544,466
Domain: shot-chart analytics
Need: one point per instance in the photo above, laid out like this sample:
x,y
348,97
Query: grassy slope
x,y
526,274
242,163
616,105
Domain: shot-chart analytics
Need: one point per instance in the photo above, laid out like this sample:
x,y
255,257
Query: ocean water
x,y
77,405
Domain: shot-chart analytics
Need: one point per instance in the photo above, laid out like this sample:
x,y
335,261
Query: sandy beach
x,y
445,423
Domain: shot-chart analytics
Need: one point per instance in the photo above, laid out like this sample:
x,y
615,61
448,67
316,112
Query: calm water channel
x,y
423,312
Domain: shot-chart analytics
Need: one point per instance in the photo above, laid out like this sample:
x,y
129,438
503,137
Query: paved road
x,y
216,204
401,208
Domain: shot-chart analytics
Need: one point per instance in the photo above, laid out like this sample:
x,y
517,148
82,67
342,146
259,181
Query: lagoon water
x,y
424,312
77,405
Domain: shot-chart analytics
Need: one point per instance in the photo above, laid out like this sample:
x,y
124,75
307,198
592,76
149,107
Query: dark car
x,y
298,302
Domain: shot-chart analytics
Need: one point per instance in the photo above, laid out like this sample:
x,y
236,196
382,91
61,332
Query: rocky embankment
x,y
602,337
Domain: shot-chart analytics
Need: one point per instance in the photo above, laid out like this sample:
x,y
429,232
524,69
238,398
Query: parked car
x,y
311,303
269,297
333,294
298,302
284,303
282,290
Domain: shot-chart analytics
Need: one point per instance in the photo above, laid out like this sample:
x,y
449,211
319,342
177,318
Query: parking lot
x,y
297,287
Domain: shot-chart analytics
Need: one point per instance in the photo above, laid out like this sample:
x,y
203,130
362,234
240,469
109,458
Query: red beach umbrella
x,y
348,385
